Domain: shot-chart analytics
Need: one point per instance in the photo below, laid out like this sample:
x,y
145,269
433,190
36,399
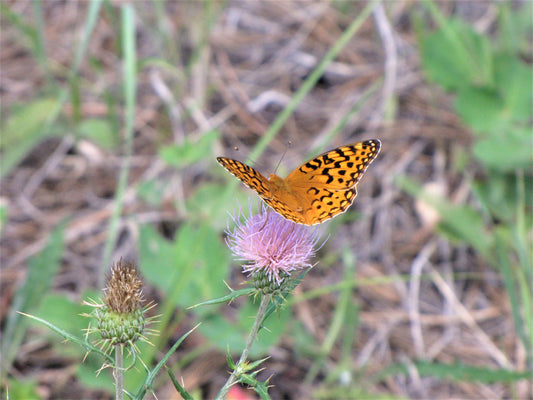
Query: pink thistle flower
x,y
271,244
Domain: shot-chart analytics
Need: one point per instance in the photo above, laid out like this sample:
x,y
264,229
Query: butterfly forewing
x,y
338,169
249,176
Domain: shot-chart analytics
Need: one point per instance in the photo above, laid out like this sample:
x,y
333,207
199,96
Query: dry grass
x,y
258,55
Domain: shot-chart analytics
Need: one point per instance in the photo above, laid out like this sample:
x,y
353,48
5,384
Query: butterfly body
x,y
317,190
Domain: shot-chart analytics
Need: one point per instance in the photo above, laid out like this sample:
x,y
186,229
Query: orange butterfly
x,y
317,190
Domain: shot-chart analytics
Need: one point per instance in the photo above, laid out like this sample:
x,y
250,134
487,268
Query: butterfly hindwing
x,y
326,204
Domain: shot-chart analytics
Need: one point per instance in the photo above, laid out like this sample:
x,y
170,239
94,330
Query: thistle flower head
x,y
272,246
121,316
123,292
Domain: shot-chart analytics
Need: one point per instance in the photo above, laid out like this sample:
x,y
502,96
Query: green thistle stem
x,y
265,300
119,372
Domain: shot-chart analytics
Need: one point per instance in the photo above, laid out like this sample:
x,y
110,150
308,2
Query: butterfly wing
x,y
271,193
249,176
325,185
337,169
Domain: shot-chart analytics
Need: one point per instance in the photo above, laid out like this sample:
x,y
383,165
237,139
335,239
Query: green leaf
x,y
456,56
207,203
24,130
459,223
152,191
261,388
514,79
482,109
224,333
465,224
22,389
507,151
62,312
515,25
159,259
181,390
498,194
82,341
100,131
254,364
189,269
190,151
67,314
230,361
86,372
41,271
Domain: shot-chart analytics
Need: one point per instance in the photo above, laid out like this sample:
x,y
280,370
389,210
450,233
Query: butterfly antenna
x,y
289,144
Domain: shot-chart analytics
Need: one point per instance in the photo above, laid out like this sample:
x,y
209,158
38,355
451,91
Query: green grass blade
x,y
130,84
40,48
29,37
456,372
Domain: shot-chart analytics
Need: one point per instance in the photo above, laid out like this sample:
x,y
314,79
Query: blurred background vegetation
x,y
110,129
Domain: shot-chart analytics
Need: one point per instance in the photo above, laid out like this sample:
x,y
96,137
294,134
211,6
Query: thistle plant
x,y
121,322
121,317
275,251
